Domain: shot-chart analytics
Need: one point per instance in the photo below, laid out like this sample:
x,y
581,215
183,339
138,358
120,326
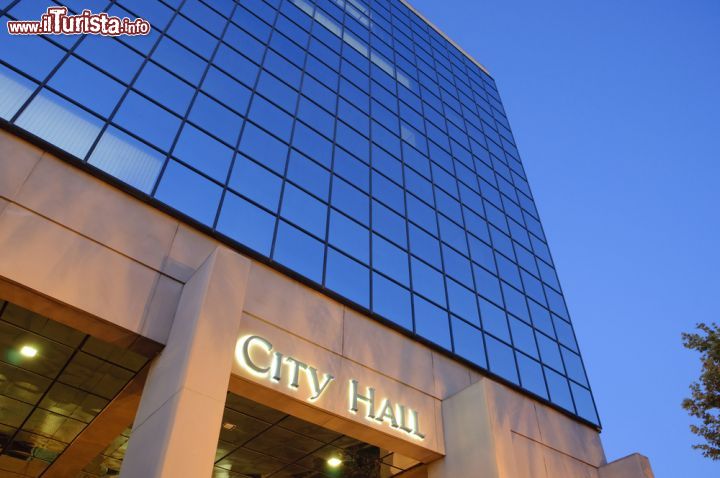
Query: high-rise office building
x,y
284,238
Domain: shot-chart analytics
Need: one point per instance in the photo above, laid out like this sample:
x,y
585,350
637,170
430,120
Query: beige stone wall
x,y
80,251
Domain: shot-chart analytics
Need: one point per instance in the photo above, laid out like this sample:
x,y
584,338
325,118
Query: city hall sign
x,y
256,355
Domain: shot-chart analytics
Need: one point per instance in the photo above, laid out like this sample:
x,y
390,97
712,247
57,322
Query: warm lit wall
x,y
86,254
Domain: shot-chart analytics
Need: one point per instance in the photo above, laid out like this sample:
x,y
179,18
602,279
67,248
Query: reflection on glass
x,y
14,91
127,159
61,123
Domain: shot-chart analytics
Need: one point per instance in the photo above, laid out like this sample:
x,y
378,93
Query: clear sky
x,y
615,106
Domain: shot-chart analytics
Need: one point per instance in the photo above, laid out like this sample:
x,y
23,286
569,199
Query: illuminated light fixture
x,y
229,426
28,351
334,462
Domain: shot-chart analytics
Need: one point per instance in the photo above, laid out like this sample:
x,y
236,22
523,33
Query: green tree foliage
x,y
705,401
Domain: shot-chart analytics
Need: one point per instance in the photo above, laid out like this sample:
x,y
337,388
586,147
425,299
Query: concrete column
x,y
469,443
178,422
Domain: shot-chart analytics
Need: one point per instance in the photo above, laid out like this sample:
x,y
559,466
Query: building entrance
x,y
257,441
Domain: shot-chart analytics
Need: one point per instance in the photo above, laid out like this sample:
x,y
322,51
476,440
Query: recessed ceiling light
x,y
229,426
28,351
334,462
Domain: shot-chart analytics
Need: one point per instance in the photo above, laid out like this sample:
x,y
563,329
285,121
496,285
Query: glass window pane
x,y
263,148
127,159
390,260
549,352
432,322
584,403
226,90
389,224
147,120
165,88
271,118
531,376
309,175
351,201
97,91
14,91
574,366
494,320
392,301
523,337
246,223
461,301
348,278
32,54
501,358
300,252
255,182
487,284
110,55
304,210
468,342
60,123
216,119
424,245
203,152
179,60
349,236
312,144
189,193
428,281
559,389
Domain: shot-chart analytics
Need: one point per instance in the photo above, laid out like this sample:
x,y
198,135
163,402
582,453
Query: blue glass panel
x,y
309,175
350,200
215,118
584,403
349,236
462,302
165,88
574,366
246,223
432,322
60,123
255,182
203,152
110,55
468,342
348,277
549,352
263,148
312,144
392,301
559,389
531,375
127,159
97,91
30,53
14,91
488,285
298,251
147,120
271,118
494,320
189,193
501,358
226,90
523,337
304,210
428,281
179,60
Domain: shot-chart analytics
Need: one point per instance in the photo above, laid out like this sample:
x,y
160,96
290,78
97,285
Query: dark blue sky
x,y
615,106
